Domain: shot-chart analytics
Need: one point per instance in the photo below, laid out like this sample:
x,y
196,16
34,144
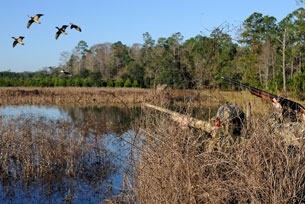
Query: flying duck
x,y
66,73
34,19
18,40
61,30
75,27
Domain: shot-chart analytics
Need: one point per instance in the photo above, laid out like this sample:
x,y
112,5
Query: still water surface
x,y
109,125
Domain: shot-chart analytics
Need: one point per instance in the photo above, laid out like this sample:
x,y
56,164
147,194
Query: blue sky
x,y
111,21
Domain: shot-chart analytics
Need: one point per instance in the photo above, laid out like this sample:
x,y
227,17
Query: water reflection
x,y
63,154
104,119
49,112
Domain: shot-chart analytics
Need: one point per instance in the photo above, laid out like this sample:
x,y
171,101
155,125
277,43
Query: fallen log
x,y
184,119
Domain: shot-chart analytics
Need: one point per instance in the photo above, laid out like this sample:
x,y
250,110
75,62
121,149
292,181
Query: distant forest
x,y
267,54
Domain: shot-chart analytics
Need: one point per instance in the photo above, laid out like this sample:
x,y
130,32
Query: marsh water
x,y
108,128
98,142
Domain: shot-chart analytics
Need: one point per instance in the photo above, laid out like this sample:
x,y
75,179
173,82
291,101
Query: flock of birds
x,y
35,19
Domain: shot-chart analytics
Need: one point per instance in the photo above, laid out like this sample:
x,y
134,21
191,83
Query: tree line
x,y
45,80
266,53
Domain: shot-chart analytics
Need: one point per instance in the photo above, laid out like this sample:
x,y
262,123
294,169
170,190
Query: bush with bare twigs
x,y
175,166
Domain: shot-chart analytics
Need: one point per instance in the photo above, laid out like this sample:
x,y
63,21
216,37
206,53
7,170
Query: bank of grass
x,y
74,96
178,166
83,96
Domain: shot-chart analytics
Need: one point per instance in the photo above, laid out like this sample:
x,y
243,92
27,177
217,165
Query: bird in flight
x,y
34,19
61,30
75,27
66,73
18,40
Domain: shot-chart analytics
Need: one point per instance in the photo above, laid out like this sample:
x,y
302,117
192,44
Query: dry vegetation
x,y
74,96
174,165
177,167
50,152
97,96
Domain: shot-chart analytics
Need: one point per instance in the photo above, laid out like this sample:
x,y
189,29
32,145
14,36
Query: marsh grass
x,y
74,96
177,167
51,152
171,165
99,96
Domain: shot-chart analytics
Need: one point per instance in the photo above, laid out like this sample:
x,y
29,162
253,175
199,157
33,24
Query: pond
x,y
55,154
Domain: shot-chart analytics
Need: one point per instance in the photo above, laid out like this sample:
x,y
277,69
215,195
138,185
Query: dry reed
x,y
33,149
176,166
99,96
76,96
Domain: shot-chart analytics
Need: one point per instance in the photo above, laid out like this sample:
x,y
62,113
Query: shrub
x,y
127,83
78,82
110,83
87,82
104,82
44,82
70,82
61,82
298,83
135,83
119,82
176,166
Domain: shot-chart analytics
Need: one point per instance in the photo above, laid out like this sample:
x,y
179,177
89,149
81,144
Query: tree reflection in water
x,y
102,120
79,159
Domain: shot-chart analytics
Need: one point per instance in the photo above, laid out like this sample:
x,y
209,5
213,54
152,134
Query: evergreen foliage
x,y
258,57
127,83
119,82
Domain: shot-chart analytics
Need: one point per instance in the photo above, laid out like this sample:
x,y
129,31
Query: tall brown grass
x,y
172,165
96,96
82,96
76,96
176,166
32,149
